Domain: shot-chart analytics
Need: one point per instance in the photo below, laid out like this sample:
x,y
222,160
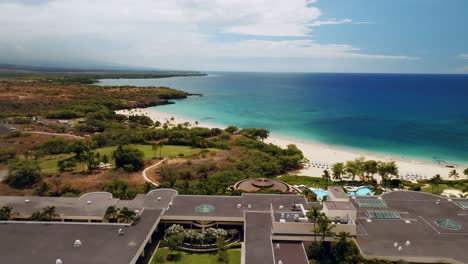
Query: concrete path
x,y
145,172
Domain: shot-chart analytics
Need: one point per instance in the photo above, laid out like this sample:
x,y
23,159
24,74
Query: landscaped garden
x,y
211,245
234,256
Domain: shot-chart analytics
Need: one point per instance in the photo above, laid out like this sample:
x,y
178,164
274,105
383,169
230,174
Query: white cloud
x,y
333,21
160,33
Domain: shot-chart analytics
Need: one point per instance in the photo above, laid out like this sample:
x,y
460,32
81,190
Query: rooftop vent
x,y
121,232
369,221
159,198
239,205
408,221
58,261
395,244
280,262
277,246
400,248
88,202
77,243
137,211
249,206
281,207
26,201
408,243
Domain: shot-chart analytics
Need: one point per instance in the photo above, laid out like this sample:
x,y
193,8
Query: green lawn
x,y
167,151
48,163
306,180
205,258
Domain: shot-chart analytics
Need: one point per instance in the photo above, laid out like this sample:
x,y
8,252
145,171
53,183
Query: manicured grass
x,y
189,258
48,163
167,151
306,180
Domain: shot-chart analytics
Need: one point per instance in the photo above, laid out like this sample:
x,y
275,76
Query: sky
x,y
388,36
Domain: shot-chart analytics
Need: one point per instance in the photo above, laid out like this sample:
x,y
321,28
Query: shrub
x,y
63,114
23,174
13,134
130,159
7,154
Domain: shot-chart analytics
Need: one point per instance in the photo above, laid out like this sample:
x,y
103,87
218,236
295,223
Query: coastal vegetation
x,y
69,140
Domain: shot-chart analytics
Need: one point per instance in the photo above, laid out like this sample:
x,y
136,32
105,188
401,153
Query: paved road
x,y
145,172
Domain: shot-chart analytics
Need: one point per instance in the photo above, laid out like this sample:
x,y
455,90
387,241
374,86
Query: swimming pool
x,y
362,191
320,193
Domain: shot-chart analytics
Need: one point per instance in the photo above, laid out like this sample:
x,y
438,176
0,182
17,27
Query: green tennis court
x,y
384,214
462,204
363,202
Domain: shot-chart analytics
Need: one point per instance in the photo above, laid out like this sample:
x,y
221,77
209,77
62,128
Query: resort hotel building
x,y
273,228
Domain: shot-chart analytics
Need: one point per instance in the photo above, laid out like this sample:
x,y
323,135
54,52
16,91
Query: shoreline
x,y
320,153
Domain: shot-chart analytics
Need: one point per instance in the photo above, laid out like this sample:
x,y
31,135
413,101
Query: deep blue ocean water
x,y
414,116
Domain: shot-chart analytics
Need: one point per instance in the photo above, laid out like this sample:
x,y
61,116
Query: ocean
x,y
408,115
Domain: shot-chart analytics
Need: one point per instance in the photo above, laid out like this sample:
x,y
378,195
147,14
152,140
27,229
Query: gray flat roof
x,y
339,205
63,205
258,244
377,238
45,243
290,252
226,206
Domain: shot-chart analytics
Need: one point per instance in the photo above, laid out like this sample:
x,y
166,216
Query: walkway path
x,y
145,172
52,134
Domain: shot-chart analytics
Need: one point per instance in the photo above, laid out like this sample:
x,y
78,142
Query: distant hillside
x,y
13,70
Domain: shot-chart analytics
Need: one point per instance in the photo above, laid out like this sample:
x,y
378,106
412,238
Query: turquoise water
x,y
413,116
320,193
362,191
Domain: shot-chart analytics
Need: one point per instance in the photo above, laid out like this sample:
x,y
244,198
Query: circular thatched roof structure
x,y
253,185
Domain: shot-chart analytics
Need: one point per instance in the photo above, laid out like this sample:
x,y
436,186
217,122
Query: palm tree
x,y
465,172
370,168
6,213
326,176
314,215
154,148
454,174
105,159
148,187
434,182
341,247
324,228
161,145
111,213
49,213
338,169
126,215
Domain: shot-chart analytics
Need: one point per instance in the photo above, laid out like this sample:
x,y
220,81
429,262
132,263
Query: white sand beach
x,y
322,156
